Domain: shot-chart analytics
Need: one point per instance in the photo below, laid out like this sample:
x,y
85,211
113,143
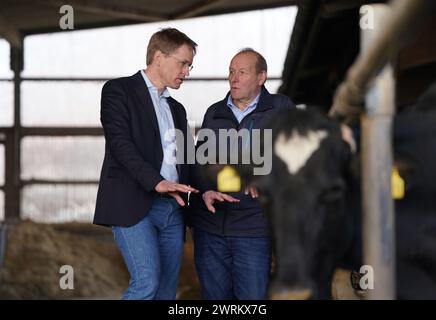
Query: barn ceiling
x,y
23,17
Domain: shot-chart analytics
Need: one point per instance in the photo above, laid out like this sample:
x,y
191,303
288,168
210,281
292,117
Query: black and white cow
x,y
304,198
312,200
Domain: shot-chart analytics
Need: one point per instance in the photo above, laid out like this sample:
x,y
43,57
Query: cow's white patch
x,y
296,150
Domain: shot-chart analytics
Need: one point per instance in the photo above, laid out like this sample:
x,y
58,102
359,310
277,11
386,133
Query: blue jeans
x,y
232,267
152,250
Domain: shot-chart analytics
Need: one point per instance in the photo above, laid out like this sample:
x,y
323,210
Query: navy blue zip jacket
x,y
245,218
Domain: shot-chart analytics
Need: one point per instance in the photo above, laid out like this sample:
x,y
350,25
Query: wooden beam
x,y
61,131
11,187
58,181
81,79
333,7
9,32
198,8
12,144
203,6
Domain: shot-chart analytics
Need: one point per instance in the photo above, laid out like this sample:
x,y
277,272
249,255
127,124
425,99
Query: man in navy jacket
x,y
141,188
232,246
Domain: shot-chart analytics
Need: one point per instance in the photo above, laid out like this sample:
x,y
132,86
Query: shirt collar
x,y
252,104
165,93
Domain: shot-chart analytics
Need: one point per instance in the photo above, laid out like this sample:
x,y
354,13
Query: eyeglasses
x,y
183,64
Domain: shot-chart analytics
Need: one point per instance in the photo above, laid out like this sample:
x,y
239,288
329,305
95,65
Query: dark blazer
x,y
245,218
133,151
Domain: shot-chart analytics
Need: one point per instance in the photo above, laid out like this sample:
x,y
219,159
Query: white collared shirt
x,y
165,121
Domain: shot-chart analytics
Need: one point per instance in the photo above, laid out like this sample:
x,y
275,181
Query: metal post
x,y
12,163
378,206
3,239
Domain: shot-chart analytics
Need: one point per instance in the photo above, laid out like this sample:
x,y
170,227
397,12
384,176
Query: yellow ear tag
x,y
228,180
398,185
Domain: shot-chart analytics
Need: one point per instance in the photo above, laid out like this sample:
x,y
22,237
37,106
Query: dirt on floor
x,y
36,252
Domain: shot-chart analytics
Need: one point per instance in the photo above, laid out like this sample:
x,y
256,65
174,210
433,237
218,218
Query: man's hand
x,y
252,191
209,198
173,190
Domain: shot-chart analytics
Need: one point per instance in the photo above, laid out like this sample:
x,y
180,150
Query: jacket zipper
x,y
224,221
250,127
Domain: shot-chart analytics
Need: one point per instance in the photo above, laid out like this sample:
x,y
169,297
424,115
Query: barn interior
x,y
324,43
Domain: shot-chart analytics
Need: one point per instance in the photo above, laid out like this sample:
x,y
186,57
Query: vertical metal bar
x,y
3,238
10,188
12,149
378,206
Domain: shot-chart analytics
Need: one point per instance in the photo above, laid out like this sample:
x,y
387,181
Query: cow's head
x,y
303,197
305,202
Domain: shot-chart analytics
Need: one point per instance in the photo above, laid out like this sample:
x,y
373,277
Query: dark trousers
x,y
232,267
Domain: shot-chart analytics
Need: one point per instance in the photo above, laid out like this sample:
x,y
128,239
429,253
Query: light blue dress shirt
x,y
165,122
240,114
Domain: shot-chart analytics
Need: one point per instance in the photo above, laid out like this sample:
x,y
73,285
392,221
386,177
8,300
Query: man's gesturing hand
x,y
173,190
209,198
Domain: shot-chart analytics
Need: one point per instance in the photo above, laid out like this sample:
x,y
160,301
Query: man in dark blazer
x,y
141,188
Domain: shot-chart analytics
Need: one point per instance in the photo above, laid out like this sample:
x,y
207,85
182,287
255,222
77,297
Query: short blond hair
x,y
167,41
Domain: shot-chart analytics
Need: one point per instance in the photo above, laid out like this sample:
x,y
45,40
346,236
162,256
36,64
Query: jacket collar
x,y
265,103
143,94
150,86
